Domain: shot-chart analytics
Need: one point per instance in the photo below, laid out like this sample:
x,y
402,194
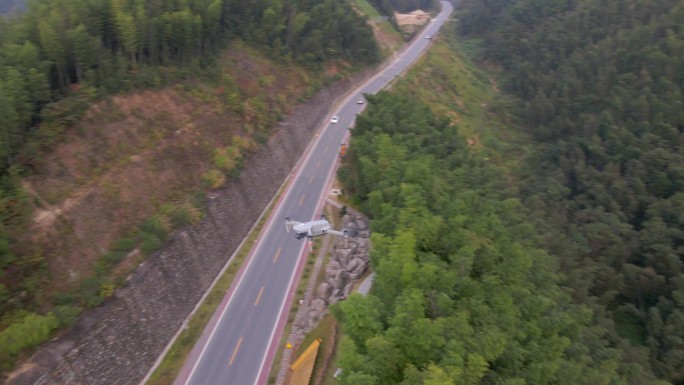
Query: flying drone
x,y
313,228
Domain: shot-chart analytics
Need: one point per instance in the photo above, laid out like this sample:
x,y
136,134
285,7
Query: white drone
x,y
313,228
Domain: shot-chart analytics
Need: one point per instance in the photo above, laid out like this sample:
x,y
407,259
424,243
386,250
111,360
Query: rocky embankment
x,y
349,260
119,341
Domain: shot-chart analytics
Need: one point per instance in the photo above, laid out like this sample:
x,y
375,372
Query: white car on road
x,y
335,119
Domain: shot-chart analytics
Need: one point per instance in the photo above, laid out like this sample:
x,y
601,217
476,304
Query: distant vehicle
x,y
335,119
313,228
428,37
360,101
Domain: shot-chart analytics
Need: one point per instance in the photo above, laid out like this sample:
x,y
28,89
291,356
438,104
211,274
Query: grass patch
x,y
451,84
366,8
327,332
447,79
389,39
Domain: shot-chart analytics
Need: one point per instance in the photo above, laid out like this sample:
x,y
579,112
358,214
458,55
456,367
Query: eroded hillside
x,y
133,154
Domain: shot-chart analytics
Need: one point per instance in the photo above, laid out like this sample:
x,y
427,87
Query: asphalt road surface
x,y
238,345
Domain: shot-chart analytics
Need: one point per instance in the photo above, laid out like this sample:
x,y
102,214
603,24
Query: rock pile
x,y
349,261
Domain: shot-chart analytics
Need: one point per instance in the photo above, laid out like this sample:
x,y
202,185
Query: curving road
x,y
238,345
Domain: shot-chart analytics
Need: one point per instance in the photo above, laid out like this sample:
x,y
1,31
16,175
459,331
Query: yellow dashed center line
x,y
301,200
311,178
237,347
259,295
318,164
277,254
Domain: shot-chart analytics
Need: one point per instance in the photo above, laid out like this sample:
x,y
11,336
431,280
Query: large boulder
x,y
352,264
331,270
318,304
343,256
359,269
337,295
340,279
341,243
324,291
347,289
361,223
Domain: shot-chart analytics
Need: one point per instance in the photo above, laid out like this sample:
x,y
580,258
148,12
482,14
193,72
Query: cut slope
x,y
132,153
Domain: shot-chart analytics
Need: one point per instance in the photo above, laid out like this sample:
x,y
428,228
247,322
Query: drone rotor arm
x,y
344,233
289,224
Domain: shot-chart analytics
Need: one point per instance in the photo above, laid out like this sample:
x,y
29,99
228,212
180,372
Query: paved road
x,y
238,345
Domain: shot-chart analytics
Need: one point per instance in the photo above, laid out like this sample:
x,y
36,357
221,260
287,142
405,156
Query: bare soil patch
x,y
412,22
132,153
416,17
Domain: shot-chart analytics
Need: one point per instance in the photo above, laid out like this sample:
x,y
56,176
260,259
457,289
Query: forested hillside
x,y
553,256
114,45
60,64
599,85
462,294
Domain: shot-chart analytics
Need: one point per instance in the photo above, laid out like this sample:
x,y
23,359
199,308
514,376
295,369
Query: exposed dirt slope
x,y
132,153
411,22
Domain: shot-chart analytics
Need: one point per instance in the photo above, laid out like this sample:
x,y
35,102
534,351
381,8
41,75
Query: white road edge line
x,y
319,205
280,312
223,313
298,167
277,210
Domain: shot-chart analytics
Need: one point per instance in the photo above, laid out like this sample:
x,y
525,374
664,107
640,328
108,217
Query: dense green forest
x,y
564,266
59,57
599,86
463,293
